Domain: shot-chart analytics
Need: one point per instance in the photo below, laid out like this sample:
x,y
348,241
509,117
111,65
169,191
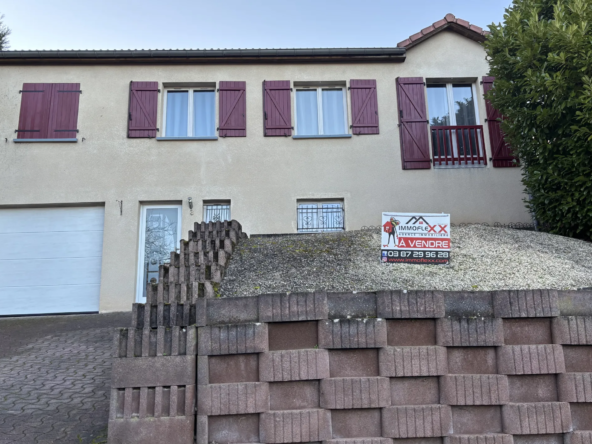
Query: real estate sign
x,y
415,238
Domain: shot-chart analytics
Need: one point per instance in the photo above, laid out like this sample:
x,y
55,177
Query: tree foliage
x,y
4,33
541,57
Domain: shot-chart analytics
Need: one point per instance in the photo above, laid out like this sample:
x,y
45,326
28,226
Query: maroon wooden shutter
x,y
413,123
143,104
277,108
233,109
63,115
35,107
501,154
364,106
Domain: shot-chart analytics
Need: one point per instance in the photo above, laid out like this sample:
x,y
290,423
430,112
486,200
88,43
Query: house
x,y
109,157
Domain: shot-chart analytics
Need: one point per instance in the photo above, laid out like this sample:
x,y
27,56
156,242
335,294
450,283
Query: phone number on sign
x,y
418,257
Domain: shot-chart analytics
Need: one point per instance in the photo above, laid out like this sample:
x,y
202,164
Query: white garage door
x,y
50,260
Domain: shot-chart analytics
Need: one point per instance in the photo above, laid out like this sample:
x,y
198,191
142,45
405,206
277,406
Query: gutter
x,y
308,55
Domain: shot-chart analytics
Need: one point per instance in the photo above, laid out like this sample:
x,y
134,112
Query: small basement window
x,y
320,216
215,211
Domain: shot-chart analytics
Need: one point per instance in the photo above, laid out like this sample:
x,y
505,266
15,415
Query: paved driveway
x,y
54,378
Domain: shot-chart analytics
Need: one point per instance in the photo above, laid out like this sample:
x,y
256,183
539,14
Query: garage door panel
x,y
48,245
72,271
49,299
39,220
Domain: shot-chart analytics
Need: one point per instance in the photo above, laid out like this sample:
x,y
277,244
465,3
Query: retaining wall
x,y
354,368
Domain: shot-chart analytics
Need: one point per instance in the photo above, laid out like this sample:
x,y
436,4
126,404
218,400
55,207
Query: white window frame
x,y
141,253
319,90
189,105
319,204
452,117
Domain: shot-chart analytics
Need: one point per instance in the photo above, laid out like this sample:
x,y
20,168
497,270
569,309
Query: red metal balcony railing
x,y
458,145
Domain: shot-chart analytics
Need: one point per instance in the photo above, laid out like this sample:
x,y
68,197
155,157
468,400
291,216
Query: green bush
x,y
541,57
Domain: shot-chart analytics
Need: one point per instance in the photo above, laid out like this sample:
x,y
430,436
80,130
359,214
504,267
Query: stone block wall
x,y
388,367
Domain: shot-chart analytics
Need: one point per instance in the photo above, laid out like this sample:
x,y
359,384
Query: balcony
x,y
458,146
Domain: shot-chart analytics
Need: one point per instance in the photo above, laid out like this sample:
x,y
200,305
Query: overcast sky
x,y
179,24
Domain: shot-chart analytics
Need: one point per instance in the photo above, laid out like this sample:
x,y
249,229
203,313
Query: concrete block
x,y
155,371
227,369
537,418
490,438
412,361
232,339
415,391
575,303
293,307
201,429
525,303
572,330
152,402
353,363
581,415
421,421
397,304
476,419
529,331
203,370
177,430
359,441
578,358
293,335
579,437
466,304
233,399
232,310
233,429
530,359
356,423
355,393
352,333
472,360
294,395
575,387
469,332
533,388
294,365
290,426
474,390
351,305
411,332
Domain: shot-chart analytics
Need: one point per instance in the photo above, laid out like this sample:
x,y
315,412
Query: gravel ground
x,y
483,258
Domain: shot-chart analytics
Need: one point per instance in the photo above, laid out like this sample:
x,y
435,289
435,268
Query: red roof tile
x,y
449,22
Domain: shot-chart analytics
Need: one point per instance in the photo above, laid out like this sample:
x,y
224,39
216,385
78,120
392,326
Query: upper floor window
x,y
321,111
190,112
457,139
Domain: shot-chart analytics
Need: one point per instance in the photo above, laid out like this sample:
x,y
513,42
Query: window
x,y
321,111
315,217
190,112
160,232
457,139
49,112
216,211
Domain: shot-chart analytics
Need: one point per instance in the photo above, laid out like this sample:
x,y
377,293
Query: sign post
x,y
415,238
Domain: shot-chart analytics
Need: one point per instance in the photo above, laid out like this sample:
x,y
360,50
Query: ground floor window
x,y
216,211
160,232
320,216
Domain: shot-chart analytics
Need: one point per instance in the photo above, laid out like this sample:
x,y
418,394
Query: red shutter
x,y
34,115
143,104
501,154
364,106
233,109
413,123
277,108
63,116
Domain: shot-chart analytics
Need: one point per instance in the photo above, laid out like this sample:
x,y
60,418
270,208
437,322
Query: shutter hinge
x,y
159,90
70,91
158,130
348,88
130,115
401,113
28,91
65,131
265,112
27,131
291,90
218,90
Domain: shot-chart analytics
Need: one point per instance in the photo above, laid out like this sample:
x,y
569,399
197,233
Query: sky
x,y
196,24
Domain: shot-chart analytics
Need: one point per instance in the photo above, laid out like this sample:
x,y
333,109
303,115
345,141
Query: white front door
x,y
160,232
50,260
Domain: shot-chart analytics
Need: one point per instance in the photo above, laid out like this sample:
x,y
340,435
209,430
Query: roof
x,y
205,56
451,23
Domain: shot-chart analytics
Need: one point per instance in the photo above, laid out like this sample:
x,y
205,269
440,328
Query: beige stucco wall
x,y
263,177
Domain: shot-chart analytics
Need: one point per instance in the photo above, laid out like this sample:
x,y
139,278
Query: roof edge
x,y
205,56
450,23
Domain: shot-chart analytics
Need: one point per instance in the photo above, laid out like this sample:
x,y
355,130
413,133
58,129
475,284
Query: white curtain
x,y
333,112
176,120
307,112
204,121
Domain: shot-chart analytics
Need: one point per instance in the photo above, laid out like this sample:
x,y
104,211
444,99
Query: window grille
x,y
321,217
216,212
